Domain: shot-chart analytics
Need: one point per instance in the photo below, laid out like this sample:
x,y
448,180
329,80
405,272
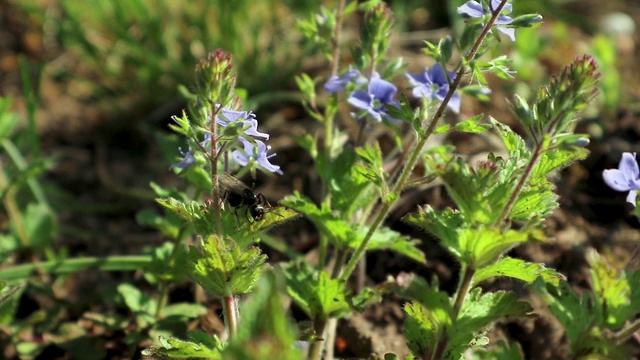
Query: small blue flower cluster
x,y
432,84
251,148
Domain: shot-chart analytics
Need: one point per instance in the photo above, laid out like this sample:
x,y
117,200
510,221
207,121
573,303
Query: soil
x,y
105,163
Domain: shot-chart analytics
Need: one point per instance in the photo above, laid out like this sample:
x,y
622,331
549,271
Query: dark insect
x,y
237,195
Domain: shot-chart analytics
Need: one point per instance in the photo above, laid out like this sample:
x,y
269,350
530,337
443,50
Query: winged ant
x,y
237,195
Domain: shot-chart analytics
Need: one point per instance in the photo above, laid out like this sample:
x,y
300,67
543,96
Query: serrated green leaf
x,y
422,329
481,247
224,269
558,158
334,228
518,269
317,294
514,143
473,125
429,315
176,348
445,225
477,247
480,310
385,238
477,313
535,202
573,312
611,293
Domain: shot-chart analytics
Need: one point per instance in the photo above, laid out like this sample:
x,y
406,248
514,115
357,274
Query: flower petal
x,y
509,32
472,9
382,89
629,166
616,180
631,198
360,99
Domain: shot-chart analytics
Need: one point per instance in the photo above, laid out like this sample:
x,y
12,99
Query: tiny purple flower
x,y
338,83
187,159
380,93
432,84
473,9
626,177
259,154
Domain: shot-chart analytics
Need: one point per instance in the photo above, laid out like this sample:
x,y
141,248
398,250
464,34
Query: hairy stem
x,y
213,156
315,351
230,313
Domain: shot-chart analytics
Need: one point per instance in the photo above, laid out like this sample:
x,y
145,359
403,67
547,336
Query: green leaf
x,y
518,269
265,331
573,312
334,228
477,313
535,202
192,212
137,301
167,264
423,329
611,293
515,144
473,125
176,348
442,129
429,315
9,301
169,226
476,247
8,119
39,224
558,158
187,310
385,238
223,269
317,294
500,352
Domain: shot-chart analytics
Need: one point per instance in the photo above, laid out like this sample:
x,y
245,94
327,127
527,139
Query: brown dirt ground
x,y
100,155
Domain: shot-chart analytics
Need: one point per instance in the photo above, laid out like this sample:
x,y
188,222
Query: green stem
x,y
315,351
463,289
108,263
521,183
230,312
624,334
386,206
213,156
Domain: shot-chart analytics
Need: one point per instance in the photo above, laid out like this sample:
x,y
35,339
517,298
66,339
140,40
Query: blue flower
x,y
246,119
626,177
187,159
432,84
475,10
338,83
256,153
374,99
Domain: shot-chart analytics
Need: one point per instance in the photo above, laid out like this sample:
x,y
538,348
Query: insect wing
x,y
232,183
